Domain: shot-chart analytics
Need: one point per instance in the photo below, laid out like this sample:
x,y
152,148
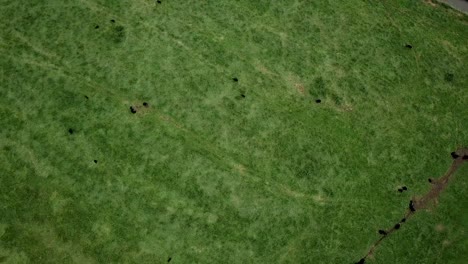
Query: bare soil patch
x,y
430,199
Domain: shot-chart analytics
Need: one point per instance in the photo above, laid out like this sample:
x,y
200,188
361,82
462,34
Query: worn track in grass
x,y
429,199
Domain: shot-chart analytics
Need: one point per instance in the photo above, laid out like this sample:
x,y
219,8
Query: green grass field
x,y
214,170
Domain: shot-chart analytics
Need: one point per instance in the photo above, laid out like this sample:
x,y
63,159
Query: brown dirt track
x,y
427,200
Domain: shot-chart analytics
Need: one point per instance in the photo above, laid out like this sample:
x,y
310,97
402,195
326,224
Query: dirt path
x,y
424,202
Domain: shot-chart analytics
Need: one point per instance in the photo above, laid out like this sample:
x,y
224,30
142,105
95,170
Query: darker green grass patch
x,y
449,77
118,34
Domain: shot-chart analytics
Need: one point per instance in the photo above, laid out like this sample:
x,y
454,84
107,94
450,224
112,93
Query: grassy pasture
x,y
221,171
